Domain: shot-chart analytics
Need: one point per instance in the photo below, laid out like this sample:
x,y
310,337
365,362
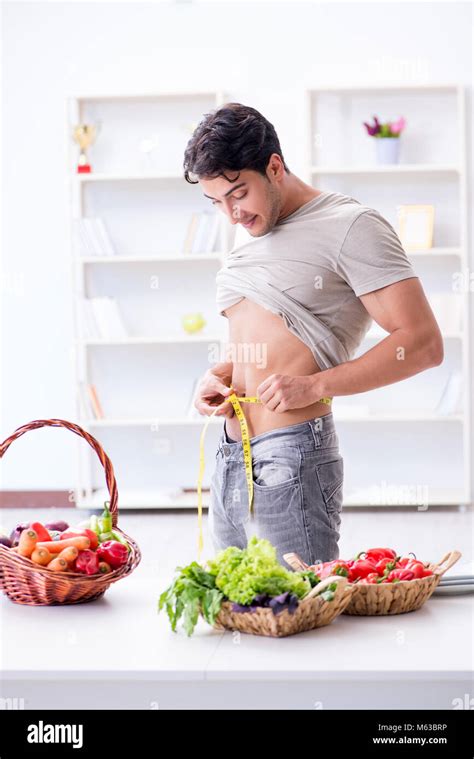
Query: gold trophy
x,y
85,135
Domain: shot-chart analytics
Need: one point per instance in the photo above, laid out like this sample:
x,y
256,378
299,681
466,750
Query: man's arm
x,y
414,344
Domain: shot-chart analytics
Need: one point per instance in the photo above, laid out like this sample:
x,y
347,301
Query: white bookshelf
x,y
141,378
412,445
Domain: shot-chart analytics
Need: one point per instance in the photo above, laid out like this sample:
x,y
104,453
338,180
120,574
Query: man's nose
x,y
232,213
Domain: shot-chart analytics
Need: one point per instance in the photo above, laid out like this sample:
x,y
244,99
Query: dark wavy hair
x,y
232,138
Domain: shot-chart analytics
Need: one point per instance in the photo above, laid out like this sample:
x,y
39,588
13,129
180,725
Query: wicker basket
x,y
25,582
310,613
389,598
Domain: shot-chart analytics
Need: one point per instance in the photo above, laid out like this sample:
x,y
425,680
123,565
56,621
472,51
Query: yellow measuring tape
x,y
236,401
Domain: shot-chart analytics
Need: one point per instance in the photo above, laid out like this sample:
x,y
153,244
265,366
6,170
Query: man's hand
x,y
279,392
212,393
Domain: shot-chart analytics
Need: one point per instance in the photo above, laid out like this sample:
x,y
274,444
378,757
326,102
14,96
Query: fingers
x,y
226,410
213,386
266,385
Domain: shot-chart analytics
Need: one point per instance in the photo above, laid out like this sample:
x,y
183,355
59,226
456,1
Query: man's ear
x,y
275,167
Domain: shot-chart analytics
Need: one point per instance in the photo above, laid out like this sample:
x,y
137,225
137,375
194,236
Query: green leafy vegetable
x,y
192,592
241,574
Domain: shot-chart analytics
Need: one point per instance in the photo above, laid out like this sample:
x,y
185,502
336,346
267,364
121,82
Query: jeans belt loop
x,y
316,432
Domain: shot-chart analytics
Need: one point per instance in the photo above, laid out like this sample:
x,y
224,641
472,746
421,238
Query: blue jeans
x,y
297,480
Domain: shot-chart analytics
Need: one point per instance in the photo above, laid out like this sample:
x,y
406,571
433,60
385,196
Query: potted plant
x,y
387,143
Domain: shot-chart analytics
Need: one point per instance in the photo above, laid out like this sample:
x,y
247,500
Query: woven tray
x,y
389,598
311,612
25,582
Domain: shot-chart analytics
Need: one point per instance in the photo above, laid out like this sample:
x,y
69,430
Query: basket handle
x,y
450,558
104,459
295,562
343,586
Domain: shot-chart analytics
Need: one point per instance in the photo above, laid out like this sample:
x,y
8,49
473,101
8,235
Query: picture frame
x,y
415,226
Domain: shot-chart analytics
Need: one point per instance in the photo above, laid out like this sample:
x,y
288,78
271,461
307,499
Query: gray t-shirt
x,y
311,268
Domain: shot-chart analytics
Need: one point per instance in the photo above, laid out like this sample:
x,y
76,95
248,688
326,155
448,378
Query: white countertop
x,y
50,656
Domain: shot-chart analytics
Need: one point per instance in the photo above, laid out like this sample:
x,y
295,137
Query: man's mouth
x,y
250,222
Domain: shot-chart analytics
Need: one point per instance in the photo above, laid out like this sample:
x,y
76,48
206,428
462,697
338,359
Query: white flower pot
x,y
387,149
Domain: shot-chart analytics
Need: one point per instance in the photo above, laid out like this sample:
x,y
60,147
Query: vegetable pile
x,y
375,566
250,578
90,548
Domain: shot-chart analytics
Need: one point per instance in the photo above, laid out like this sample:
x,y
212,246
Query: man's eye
x,y
242,196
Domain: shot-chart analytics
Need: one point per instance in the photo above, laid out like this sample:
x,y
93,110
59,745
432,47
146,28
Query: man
x,y
301,292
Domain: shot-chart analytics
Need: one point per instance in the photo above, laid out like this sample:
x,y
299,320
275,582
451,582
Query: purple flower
x,y
372,130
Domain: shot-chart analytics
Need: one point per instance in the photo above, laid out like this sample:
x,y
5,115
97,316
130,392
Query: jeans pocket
x,y
276,469
330,475
329,439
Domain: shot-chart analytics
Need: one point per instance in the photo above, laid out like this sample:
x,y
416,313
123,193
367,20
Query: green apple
x,y
193,322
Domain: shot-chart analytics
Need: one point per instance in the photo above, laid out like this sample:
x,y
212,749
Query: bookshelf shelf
x,y
169,339
154,177
181,258
396,169
172,421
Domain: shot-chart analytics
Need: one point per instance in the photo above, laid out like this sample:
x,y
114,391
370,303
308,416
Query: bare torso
x,y
260,345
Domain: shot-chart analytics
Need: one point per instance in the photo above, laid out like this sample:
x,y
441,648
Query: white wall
x,y
263,54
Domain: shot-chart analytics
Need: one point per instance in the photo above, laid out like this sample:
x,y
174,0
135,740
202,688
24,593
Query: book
x,y
94,400
450,400
103,237
91,237
84,404
87,327
107,317
202,233
190,233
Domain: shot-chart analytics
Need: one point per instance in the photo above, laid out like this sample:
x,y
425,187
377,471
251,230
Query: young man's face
x,y
251,200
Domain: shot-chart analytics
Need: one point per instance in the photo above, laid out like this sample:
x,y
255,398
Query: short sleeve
x,y
372,255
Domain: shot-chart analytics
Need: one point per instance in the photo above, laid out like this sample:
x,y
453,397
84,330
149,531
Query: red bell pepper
x,y
397,575
87,562
78,533
41,531
113,552
418,569
404,560
385,565
361,568
328,568
376,554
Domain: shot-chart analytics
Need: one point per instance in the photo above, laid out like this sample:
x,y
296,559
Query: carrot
x,y
56,546
70,554
41,556
27,543
58,565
